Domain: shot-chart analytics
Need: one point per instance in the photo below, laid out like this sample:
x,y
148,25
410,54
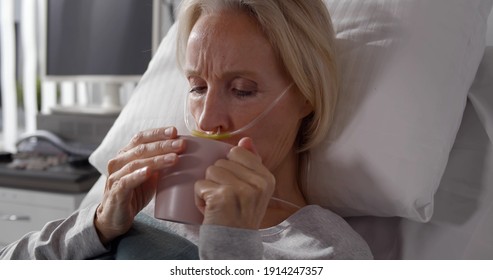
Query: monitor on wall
x,y
109,42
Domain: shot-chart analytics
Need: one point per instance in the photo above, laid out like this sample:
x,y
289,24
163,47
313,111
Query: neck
x,y
287,189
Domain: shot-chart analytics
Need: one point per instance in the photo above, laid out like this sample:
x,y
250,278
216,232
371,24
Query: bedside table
x,y
29,198
23,211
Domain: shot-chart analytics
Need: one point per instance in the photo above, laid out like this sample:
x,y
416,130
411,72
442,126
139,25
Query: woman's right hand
x,y
132,179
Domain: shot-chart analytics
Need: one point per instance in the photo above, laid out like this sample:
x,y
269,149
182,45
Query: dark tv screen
x,y
98,37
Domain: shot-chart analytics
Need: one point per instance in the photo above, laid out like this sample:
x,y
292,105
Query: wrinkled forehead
x,y
228,38
233,24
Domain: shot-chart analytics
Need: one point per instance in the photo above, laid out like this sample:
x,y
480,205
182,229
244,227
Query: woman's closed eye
x,y
200,90
239,93
243,93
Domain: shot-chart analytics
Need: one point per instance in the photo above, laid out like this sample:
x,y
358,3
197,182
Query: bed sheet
x,y
462,224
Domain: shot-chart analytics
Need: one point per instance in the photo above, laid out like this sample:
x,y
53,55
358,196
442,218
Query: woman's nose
x,y
213,114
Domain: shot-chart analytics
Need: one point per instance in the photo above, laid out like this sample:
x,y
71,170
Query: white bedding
x,y
462,224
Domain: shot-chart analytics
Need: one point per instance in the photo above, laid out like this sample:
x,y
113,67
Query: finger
x,y
134,179
245,150
248,159
150,135
201,190
120,189
153,164
223,176
133,190
143,151
214,198
137,146
225,205
247,143
121,202
258,180
254,188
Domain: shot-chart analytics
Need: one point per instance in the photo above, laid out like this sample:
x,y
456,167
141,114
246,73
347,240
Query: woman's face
x,y
234,76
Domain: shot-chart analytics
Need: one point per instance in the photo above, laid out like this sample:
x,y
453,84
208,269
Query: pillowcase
x,y
406,66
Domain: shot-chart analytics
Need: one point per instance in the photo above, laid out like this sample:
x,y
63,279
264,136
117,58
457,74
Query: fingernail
x,y
176,144
142,171
168,131
168,158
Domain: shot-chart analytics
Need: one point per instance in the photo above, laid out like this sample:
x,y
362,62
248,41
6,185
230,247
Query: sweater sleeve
x,y
71,238
220,242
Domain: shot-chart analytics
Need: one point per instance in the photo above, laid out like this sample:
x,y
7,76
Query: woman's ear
x,y
306,109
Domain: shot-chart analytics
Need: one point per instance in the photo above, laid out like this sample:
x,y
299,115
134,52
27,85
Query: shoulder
x,y
314,216
330,229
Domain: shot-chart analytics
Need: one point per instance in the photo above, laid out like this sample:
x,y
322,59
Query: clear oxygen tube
x,y
218,135
192,127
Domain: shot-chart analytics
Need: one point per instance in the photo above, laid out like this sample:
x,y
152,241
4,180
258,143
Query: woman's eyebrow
x,y
191,73
240,73
226,74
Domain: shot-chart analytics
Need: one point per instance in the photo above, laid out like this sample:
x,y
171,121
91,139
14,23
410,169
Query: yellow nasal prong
x,y
210,136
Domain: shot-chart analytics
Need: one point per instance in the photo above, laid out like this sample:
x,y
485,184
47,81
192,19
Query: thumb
x,y
247,143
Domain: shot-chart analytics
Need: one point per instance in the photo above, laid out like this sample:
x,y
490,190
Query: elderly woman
x,y
239,57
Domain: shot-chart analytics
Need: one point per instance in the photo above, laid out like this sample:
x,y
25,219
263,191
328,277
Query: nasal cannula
x,y
218,135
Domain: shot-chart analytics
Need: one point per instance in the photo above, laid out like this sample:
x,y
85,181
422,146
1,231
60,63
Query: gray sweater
x,y
311,233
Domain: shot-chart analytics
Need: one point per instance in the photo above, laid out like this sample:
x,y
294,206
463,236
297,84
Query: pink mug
x,y
175,196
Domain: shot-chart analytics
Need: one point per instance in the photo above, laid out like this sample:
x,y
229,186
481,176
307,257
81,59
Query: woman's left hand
x,y
236,191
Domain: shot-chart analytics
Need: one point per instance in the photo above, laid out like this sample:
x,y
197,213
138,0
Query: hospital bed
x,y
409,161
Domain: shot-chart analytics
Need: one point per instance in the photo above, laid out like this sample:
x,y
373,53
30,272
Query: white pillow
x,y
407,66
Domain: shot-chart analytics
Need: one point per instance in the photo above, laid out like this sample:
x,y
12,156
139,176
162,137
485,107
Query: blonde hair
x,y
302,37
